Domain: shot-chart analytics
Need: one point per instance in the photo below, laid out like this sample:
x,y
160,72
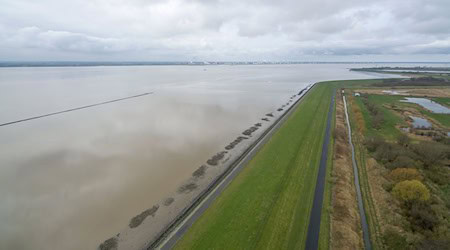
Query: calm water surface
x,y
73,180
420,122
428,104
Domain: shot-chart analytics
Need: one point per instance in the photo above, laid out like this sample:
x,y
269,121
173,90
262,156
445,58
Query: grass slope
x,y
268,204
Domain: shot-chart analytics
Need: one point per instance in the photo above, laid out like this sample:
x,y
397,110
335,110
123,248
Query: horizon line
x,y
67,63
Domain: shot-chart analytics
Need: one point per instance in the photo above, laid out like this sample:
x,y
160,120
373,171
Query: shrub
x,y
401,161
403,140
436,244
405,174
431,153
373,142
388,186
438,175
422,217
377,120
375,113
385,153
394,240
411,191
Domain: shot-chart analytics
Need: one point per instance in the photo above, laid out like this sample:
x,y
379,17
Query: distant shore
x,y
6,64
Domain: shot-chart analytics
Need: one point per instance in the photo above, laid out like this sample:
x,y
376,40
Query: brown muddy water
x,y
72,180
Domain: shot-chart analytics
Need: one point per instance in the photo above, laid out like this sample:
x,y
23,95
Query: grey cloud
x,y
33,37
222,30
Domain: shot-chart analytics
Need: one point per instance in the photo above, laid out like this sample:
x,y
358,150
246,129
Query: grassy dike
x,y
268,204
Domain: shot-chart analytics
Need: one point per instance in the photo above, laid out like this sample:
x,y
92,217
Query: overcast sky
x,y
155,30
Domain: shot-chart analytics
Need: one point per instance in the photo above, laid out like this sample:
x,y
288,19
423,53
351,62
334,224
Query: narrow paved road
x,y
175,233
312,237
362,214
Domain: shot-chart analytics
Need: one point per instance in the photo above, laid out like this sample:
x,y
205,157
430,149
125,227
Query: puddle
x,y
428,104
420,122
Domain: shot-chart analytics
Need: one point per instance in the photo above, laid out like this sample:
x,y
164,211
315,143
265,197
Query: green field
x,y
390,118
268,204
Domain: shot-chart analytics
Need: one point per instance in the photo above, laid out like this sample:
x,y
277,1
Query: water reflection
x,y
420,122
428,104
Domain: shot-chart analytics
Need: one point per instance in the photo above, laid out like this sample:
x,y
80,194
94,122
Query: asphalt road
x,y
312,237
174,233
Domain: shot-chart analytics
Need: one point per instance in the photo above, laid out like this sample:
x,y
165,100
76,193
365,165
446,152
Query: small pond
x,y
428,104
420,122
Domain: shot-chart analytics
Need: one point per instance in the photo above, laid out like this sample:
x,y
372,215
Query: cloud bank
x,y
224,30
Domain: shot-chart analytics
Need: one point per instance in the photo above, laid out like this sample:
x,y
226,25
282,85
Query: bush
x,y
394,240
403,140
401,161
391,155
375,113
411,191
405,174
373,142
422,217
438,175
431,153
435,244
385,153
388,186
377,120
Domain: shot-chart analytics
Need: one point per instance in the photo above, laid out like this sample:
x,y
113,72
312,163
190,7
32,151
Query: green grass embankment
x,y
267,206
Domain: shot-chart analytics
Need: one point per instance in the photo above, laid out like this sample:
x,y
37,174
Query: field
x,y
268,204
384,102
393,223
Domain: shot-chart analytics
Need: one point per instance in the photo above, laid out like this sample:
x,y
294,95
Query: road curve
x,y
170,238
312,237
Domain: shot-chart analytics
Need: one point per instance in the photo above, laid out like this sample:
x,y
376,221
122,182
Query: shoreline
x,y
150,228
